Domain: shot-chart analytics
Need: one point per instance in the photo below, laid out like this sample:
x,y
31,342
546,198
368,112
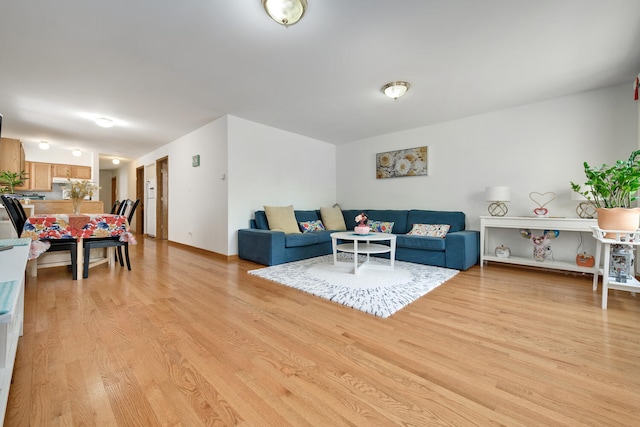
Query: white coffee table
x,y
361,244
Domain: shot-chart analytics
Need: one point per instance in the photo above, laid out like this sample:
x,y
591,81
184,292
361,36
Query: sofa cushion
x,y
398,217
333,219
380,226
261,220
455,219
300,239
311,226
421,242
431,230
282,218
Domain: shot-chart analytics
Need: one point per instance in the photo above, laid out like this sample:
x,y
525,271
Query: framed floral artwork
x,y
408,162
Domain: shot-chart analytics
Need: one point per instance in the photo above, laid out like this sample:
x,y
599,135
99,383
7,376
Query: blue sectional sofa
x,y
458,250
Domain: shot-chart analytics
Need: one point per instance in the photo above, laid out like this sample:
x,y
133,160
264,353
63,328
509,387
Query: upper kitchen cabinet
x,y
38,177
71,171
11,155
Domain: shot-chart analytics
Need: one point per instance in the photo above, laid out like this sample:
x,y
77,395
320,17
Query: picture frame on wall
x,y
407,162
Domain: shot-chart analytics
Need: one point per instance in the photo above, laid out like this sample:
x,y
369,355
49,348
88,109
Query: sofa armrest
x,y
462,249
265,247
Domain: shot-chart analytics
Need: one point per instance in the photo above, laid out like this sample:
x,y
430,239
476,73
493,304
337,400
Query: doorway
x,y
162,208
139,218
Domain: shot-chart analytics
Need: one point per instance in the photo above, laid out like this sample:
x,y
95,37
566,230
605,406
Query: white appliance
x,y
150,208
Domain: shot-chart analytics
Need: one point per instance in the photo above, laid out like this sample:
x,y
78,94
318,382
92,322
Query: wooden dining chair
x,y
108,242
57,245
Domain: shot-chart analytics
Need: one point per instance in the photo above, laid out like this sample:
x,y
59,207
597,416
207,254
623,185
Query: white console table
x,y
489,223
12,272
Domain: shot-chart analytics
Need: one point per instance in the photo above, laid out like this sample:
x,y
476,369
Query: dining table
x,y
41,228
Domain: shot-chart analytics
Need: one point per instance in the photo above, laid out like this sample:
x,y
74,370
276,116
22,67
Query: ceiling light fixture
x,y
44,145
116,161
285,12
76,153
104,122
395,89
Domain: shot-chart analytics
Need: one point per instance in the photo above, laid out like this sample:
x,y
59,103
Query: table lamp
x,y
497,196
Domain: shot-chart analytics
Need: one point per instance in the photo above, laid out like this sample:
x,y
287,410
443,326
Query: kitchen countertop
x,y
66,206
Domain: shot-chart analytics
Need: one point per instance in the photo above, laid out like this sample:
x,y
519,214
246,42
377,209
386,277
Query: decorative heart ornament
x,y
541,211
542,199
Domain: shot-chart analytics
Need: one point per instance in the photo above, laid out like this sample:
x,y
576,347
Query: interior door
x,y
162,212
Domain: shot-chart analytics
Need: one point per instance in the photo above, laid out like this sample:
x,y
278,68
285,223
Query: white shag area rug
x,y
375,289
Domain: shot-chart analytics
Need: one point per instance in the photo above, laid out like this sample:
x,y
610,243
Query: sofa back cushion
x,y
455,219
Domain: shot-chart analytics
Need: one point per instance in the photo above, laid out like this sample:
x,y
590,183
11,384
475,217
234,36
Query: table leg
x,y
392,255
79,259
32,267
605,275
334,243
597,265
355,257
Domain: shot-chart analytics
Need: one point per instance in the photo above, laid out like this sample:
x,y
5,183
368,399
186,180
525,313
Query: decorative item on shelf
x,y
503,252
542,200
585,260
612,189
541,250
585,208
497,196
78,190
362,227
621,263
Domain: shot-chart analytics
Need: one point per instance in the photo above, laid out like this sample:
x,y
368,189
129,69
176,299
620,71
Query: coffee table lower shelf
x,y
363,248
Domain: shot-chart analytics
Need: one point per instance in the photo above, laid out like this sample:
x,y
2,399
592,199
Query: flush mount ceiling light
x,y
395,89
116,161
104,122
76,153
44,145
285,12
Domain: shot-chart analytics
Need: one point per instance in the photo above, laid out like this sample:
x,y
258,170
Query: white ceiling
x,y
162,68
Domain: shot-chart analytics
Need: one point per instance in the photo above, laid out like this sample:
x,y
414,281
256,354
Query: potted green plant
x,y
612,190
12,179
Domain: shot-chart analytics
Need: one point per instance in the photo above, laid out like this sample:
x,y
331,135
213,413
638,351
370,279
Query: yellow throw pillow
x,y
282,218
332,219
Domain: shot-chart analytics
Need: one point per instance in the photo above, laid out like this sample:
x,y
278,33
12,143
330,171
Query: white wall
x,y
197,196
269,166
538,147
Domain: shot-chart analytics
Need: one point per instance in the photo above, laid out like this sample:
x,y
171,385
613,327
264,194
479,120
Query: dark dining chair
x,y
18,220
115,206
108,242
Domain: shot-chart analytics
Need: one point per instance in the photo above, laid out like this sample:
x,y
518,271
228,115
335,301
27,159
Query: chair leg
x,y
126,254
85,270
119,256
74,263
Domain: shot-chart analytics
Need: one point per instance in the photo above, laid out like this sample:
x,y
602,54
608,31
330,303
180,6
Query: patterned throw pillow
x,y
380,226
430,230
309,226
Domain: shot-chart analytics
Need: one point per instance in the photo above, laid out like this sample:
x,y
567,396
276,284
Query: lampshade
x,y
285,12
498,194
76,153
395,89
115,161
44,145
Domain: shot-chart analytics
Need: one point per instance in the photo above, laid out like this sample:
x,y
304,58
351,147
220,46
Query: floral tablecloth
x,y
63,226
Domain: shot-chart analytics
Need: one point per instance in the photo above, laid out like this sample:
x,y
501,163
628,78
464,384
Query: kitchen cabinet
x,y
71,171
11,155
40,178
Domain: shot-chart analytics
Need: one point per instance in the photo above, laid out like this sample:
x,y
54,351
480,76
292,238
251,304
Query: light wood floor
x,y
189,339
